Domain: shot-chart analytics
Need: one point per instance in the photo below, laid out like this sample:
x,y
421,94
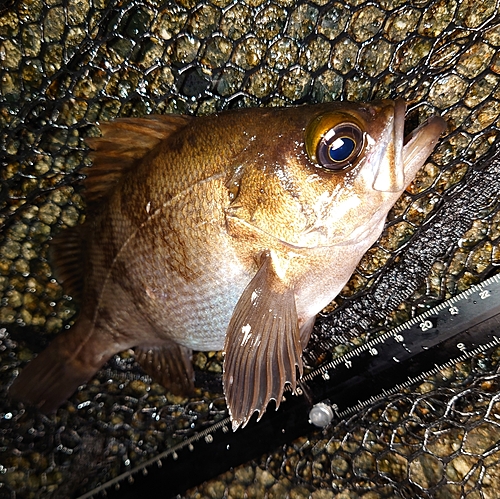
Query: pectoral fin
x,y
263,347
169,365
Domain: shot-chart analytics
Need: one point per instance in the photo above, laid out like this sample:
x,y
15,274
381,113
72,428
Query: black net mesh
x,y
433,443
67,64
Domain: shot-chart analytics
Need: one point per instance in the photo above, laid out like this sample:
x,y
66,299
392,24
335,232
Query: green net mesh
x,y
66,65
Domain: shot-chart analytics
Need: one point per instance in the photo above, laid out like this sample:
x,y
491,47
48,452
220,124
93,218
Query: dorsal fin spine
x,y
123,144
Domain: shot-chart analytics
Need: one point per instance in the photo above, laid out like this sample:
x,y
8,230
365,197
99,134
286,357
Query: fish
x,y
223,232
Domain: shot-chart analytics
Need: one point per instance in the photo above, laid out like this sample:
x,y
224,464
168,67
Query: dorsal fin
x,y
123,143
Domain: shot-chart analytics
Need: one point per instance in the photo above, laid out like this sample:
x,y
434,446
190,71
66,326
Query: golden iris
x,y
334,141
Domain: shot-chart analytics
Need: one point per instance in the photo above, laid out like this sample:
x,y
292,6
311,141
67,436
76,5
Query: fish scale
x,y
176,308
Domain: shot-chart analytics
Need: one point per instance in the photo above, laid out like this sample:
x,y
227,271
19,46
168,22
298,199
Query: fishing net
x,y
69,64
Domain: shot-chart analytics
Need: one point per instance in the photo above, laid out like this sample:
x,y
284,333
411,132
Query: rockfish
x,y
225,232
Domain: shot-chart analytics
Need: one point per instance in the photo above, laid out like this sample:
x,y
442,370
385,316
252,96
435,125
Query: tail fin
x,y
55,374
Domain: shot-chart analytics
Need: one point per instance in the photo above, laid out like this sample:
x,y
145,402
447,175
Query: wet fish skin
x,y
221,232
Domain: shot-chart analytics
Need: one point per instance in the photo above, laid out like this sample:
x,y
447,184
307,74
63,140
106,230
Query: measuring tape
x,y
456,330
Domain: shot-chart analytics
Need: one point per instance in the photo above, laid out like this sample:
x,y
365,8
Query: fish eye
x,y
339,147
334,145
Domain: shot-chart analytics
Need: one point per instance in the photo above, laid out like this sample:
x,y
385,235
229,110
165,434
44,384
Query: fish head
x,y
309,195
326,174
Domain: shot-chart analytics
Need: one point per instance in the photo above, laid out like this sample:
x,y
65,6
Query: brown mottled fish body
x,y
229,231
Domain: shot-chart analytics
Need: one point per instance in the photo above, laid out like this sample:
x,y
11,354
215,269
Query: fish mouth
x,y
407,153
420,142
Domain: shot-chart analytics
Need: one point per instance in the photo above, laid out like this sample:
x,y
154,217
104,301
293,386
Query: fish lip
x,y
419,144
436,123
407,154
390,174
398,132
424,136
